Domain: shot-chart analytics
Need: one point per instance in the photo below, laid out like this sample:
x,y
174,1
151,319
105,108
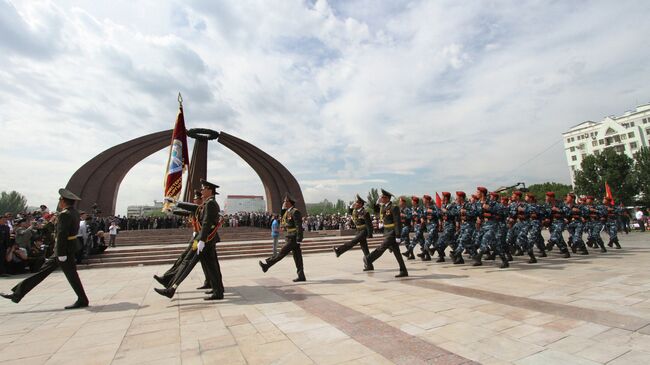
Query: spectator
x,y
112,233
16,259
639,219
275,233
4,244
24,233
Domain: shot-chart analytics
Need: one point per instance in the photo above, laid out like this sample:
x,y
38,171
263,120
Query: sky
x,y
411,96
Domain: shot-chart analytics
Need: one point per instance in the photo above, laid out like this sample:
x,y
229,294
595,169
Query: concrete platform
x,y
584,310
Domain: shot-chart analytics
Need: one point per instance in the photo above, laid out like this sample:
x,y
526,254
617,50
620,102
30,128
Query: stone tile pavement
x,y
584,310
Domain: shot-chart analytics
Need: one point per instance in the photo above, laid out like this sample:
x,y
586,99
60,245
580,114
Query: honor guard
x,y
67,227
390,216
292,225
362,223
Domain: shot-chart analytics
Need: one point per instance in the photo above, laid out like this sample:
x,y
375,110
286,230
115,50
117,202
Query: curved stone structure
x,y
99,179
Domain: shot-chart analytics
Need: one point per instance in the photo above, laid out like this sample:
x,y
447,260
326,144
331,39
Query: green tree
x,y
540,190
340,207
373,195
642,173
13,202
608,167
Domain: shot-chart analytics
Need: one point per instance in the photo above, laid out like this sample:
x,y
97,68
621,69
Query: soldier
x,y
466,220
183,260
67,226
556,214
487,211
447,227
430,222
515,224
390,215
406,215
291,223
534,236
417,217
611,222
203,246
361,220
574,214
522,216
502,224
597,215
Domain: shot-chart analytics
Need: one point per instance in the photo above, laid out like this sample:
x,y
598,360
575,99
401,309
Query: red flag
x,y
438,200
177,162
608,193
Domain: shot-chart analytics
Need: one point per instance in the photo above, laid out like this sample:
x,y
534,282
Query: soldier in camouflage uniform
x,y
534,228
555,213
502,225
597,217
466,219
611,223
362,223
448,213
515,223
487,210
417,217
477,235
390,216
406,215
430,222
575,215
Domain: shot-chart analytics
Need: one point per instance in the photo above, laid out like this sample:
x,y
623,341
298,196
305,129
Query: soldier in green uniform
x,y
203,247
390,215
67,227
361,219
292,225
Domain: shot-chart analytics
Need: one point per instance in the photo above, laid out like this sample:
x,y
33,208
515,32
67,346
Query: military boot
x,y
602,245
425,256
441,255
583,250
549,246
477,259
542,252
492,255
565,254
519,252
508,256
458,260
504,262
610,244
531,254
618,245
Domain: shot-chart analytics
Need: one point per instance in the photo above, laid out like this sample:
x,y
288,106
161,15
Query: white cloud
x,y
414,96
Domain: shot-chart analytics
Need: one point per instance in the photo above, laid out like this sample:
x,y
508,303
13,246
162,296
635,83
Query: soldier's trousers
x,y
556,229
432,236
291,245
405,236
575,233
534,235
389,242
361,238
489,239
522,236
612,230
513,233
210,264
446,238
502,232
594,233
168,276
418,238
69,268
465,238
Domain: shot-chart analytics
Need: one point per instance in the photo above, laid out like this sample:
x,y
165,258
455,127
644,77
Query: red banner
x,y
177,162
608,193
438,200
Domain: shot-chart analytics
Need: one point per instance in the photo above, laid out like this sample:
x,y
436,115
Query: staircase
x,y
162,247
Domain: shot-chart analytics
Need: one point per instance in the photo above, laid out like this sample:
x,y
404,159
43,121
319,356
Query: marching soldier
x,y
575,216
448,213
502,225
556,213
203,247
390,215
597,214
418,229
67,226
430,221
362,223
611,223
466,221
534,236
405,215
487,211
292,225
514,223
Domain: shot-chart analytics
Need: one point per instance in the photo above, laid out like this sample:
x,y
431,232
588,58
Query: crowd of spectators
x,y
144,222
247,219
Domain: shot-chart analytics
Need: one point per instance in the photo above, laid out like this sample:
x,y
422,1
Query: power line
x,y
537,155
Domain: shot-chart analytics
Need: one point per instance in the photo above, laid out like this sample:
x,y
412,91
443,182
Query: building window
x,y
623,136
597,152
574,158
594,143
572,149
619,149
568,140
645,120
633,145
632,124
631,135
601,141
617,138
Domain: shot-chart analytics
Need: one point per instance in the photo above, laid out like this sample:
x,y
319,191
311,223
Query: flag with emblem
x,y
177,162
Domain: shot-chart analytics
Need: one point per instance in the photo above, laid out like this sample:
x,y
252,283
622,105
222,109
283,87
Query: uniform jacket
x,y
209,217
67,227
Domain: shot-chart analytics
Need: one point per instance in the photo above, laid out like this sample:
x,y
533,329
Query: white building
x,y
141,210
625,134
244,203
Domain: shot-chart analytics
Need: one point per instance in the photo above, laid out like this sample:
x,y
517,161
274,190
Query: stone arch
x,y
99,179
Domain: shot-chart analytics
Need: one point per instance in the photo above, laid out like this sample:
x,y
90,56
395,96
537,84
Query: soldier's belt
x,y
361,226
71,238
389,226
292,229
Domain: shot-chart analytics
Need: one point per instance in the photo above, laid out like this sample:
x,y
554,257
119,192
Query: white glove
x,y
193,235
62,258
398,240
200,246
378,201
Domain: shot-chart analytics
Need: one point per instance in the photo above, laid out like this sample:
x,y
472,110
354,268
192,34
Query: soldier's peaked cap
x,y
67,194
288,197
385,193
197,194
213,186
360,200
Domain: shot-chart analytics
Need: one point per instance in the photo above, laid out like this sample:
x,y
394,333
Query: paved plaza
x,y
584,310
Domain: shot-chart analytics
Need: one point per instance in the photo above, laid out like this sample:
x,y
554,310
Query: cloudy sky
x,y
413,96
